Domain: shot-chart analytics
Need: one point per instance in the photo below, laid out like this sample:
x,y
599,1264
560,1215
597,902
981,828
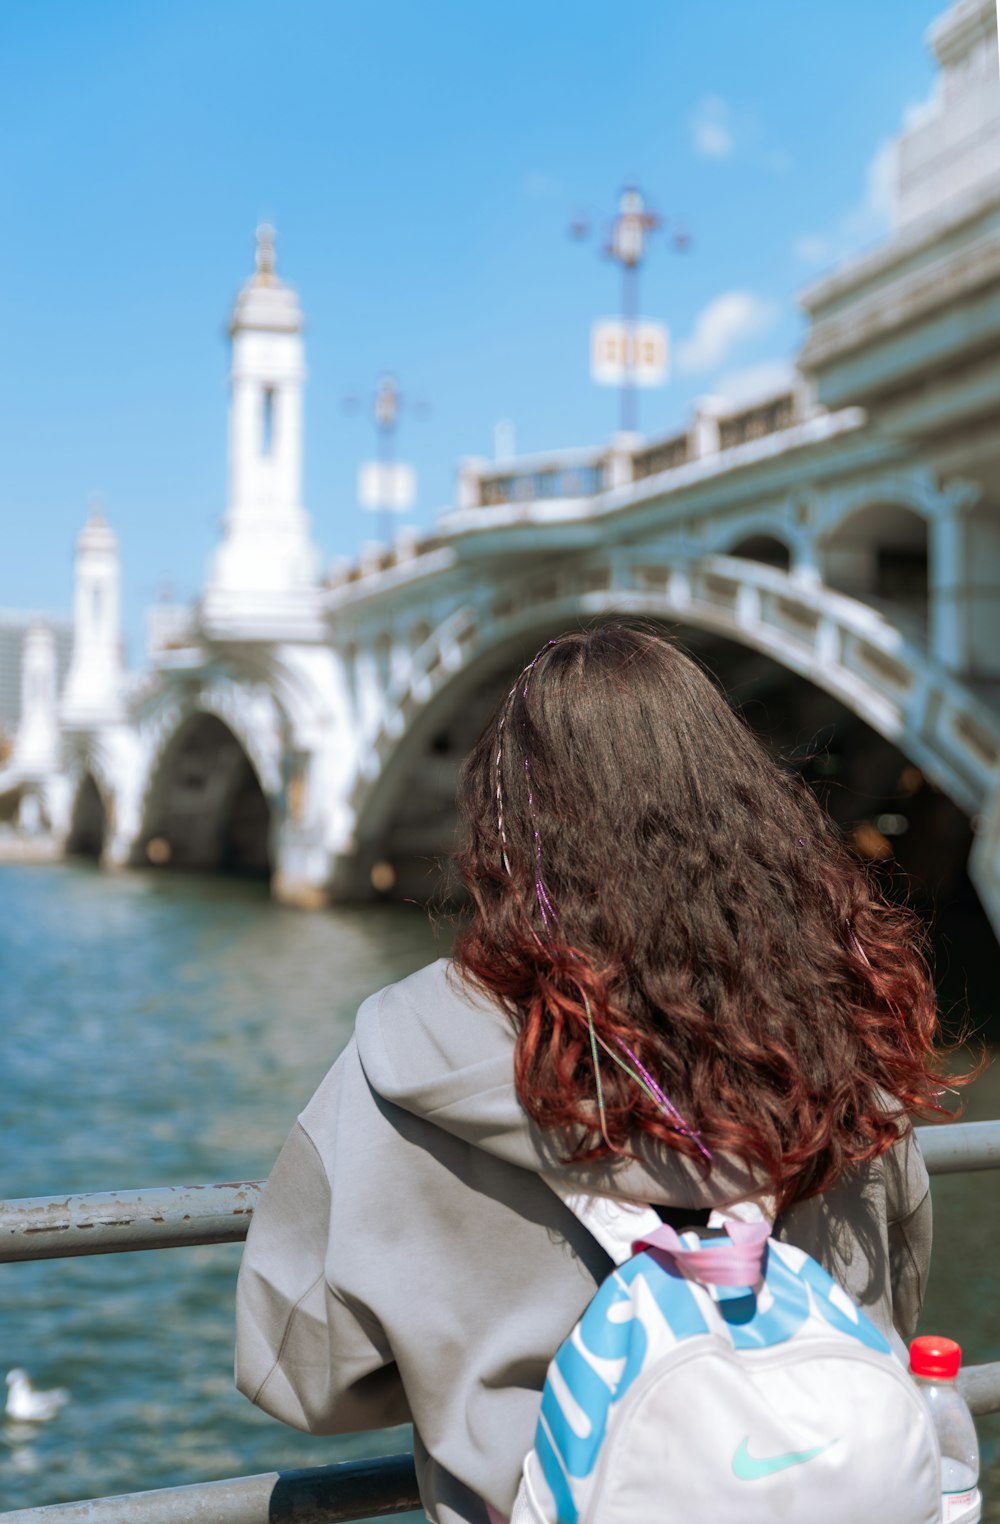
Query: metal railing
x,y
319,1495
58,1227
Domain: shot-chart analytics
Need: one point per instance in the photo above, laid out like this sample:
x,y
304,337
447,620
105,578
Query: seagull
x,y
27,1405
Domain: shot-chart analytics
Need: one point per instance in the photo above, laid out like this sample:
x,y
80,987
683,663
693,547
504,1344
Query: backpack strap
x,y
622,1228
736,1263
615,1224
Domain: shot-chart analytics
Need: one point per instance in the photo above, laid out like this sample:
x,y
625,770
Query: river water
x,y
158,1030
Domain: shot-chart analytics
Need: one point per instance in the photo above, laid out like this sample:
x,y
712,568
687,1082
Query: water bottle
x,y
934,1364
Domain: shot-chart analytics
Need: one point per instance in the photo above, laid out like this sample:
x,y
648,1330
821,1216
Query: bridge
x,y
832,549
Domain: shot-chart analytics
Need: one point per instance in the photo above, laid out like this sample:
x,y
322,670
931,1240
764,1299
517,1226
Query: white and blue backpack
x,y
728,1381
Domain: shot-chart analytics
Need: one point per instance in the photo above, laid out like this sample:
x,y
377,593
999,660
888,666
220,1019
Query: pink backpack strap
x,y
736,1263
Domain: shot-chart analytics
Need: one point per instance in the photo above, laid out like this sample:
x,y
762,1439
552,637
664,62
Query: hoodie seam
x,y
287,1332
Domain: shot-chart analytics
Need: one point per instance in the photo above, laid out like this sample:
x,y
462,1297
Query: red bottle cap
x,y
931,1355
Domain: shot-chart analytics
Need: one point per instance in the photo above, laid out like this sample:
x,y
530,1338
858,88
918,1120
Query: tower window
x,y
267,422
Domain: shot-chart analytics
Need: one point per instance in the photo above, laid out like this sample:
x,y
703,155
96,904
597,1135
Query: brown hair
x,y
637,861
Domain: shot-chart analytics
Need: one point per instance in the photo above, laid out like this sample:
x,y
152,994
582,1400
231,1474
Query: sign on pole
x,y
389,486
629,352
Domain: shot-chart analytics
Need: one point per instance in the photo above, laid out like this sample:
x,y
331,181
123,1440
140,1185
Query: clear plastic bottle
x,y
934,1364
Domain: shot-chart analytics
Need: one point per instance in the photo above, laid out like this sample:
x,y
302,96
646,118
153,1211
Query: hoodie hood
x,y
444,1051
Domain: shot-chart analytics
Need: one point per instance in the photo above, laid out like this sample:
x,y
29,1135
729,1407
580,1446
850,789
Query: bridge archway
x,y
915,837
880,553
767,549
843,648
205,807
88,821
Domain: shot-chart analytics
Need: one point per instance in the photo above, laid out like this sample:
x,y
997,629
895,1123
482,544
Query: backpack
x,y
728,1381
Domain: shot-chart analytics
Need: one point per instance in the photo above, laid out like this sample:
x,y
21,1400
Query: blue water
x,y
156,1029
159,1030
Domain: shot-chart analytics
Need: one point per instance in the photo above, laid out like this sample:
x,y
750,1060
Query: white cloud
x,y
869,219
721,326
765,379
719,131
712,128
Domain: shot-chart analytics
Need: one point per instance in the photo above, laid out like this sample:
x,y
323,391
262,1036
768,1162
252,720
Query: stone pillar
x,y
93,693
36,745
471,469
620,452
964,591
705,427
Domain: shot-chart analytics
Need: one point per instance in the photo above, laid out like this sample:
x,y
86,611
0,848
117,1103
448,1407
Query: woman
x,y
675,986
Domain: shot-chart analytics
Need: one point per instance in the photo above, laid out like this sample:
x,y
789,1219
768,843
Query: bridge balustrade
x,y
755,422
538,481
167,1217
542,484
664,455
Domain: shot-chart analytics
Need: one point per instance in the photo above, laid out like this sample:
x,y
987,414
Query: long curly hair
x,y
645,880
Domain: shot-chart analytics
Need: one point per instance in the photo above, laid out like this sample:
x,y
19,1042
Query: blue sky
x,y
422,164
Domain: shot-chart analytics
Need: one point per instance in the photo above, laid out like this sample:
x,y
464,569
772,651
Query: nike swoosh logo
x,y
749,1469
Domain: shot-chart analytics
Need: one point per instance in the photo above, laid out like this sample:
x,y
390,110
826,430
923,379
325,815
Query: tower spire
x,y
266,258
93,692
264,572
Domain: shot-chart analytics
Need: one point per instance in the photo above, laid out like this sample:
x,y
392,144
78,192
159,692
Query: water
x,y
159,1030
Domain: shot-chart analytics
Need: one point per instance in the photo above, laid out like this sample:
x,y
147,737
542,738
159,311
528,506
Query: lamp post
x,y
386,486
627,243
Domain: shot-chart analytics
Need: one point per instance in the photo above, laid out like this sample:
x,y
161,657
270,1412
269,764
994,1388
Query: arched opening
x,y
88,823
914,838
765,548
208,810
10,803
879,554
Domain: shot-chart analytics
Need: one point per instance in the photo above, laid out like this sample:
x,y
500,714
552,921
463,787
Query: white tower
x,y
93,692
36,745
263,581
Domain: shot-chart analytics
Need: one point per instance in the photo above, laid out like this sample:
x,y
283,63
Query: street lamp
x,y
385,485
630,353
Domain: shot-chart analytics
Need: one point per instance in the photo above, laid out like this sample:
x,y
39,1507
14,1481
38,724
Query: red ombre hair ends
x,y
686,948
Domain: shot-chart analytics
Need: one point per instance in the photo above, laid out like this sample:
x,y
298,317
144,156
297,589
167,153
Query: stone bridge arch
x,y
839,644
95,789
879,553
213,791
90,817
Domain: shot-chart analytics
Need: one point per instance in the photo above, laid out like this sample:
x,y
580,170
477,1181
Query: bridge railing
x,y
166,1217
568,474
556,478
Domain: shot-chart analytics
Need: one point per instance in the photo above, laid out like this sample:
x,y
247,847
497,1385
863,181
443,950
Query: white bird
x,y
25,1404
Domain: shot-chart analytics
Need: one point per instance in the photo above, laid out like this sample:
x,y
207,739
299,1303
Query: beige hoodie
x,y
407,1262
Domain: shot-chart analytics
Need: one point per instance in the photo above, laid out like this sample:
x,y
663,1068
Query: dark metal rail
x,y
325,1495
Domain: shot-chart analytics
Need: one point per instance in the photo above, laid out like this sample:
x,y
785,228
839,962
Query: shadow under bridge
x,y
207,810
